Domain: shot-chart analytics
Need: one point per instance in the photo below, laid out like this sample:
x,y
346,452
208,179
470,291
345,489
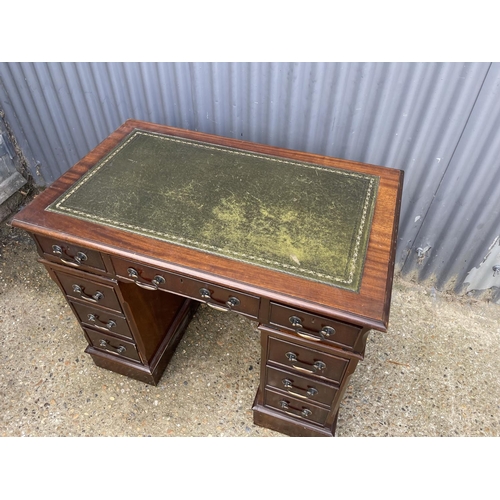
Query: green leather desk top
x,y
300,218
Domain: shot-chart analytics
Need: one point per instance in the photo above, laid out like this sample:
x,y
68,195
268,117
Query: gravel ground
x,y
435,373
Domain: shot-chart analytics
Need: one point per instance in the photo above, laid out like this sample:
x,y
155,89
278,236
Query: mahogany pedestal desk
x,y
156,220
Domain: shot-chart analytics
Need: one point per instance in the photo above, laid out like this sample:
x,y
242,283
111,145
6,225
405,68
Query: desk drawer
x,y
220,298
313,327
114,345
301,409
306,361
300,387
101,319
70,255
91,292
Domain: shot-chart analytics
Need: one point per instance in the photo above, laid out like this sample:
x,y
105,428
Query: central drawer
x,y
217,297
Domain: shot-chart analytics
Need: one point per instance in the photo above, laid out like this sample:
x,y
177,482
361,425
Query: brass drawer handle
x,y
90,298
79,259
325,333
231,302
106,345
317,366
155,282
305,394
305,412
95,319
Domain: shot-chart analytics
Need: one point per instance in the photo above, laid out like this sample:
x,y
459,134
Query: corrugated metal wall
x,y
436,121
463,219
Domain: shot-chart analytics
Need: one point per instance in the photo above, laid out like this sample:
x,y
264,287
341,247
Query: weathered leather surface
x,y
294,217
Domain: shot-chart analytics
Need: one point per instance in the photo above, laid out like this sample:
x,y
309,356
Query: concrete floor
x,y
435,373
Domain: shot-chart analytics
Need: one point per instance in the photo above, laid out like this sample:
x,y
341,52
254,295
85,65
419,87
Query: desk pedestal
x,y
302,384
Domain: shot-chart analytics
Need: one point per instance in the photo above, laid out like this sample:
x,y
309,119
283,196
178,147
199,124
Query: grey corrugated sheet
x,y
411,116
464,219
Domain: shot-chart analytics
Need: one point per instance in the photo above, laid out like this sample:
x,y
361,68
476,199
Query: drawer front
x,y
313,327
102,319
70,255
113,345
217,297
306,361
300,387
298,408
91,292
